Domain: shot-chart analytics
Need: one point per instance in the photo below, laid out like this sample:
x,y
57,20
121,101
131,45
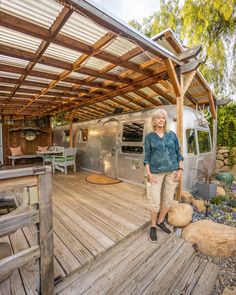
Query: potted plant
x,y
206,188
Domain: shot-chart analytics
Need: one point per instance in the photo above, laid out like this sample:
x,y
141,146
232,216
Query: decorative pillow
x,y
16,151
42,148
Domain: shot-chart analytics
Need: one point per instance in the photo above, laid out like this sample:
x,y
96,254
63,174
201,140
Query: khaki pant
x,y
162,192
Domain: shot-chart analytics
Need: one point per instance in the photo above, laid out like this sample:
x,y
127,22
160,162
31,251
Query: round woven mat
x,y
101,179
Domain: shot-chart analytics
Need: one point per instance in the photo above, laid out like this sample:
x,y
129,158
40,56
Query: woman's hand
x,y
151,178
177,175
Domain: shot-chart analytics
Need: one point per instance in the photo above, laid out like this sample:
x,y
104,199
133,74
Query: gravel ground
x,y
227,277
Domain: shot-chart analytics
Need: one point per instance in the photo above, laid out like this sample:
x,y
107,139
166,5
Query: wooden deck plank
x,y
74,245
89,242
65,258
13,285
28,272
30,233
96,233
124,218
100,213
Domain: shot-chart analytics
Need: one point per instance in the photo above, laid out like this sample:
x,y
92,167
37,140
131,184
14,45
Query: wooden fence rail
x,y
39,177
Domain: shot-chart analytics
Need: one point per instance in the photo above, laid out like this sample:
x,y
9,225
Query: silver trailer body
x,y
114,146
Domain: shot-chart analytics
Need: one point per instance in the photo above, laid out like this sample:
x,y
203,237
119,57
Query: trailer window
x,y
204,141
132,149
133,132
191,142
66,136
83,135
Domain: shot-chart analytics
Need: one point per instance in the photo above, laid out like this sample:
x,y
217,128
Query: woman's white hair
x,y
156,114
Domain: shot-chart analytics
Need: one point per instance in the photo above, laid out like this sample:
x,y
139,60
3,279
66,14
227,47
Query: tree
x,y
211,23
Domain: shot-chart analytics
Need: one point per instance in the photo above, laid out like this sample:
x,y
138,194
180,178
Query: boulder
x,y
180,214
226,161
225,168
5,251
212,238
220,157
199,204
223,151
186,197
219,164
220,191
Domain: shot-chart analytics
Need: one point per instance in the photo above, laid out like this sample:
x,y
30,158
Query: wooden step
x,y
138,266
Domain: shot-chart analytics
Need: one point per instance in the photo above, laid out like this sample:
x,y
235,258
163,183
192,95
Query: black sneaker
x,y
165,229
153,234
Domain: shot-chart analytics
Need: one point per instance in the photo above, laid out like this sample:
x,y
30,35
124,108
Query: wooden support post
x,y
46,234
71,127
178,88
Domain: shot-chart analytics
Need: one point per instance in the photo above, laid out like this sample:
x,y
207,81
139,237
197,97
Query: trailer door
x,y
108,148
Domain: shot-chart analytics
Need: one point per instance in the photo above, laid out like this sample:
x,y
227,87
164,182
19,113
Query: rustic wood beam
x,y
134,101
190,53
147,97
162,93
100,43
173,76
198,94
190,66
120,91
122,103
37,31
212,105
188,80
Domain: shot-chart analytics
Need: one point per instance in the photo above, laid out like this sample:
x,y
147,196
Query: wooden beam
x,y
212,105
191,66
173,76
162,93
121,91
188,80
134,101
37,31
147,97
190,53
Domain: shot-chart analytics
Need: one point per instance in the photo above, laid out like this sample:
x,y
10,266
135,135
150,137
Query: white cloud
x,y
127,10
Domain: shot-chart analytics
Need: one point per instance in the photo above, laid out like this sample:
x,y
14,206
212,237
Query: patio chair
x,y
62,162
49,158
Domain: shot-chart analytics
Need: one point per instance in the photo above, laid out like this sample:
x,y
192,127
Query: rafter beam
x,y
147,97
188,78
173,76
29,28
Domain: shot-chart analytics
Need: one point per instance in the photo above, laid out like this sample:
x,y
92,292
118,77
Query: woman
x,y
164,167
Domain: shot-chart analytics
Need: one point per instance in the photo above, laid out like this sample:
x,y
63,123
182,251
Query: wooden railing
x,y
38,211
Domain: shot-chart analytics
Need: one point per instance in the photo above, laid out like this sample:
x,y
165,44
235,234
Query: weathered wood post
x,y
46,231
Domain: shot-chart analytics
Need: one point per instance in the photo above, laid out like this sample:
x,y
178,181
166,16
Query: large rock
x,y
220,157
199,204
5,251
223,151
212,238
180,214
186,197
220,191
219,164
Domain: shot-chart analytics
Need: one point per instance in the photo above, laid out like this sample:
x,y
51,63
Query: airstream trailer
x,y
114,145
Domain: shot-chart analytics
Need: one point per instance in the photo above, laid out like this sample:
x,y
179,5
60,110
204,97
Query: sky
x,y
127,10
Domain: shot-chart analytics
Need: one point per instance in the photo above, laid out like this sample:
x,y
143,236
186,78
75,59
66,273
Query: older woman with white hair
x,y
164,166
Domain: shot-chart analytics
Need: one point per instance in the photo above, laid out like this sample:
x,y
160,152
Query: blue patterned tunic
x,y
162,154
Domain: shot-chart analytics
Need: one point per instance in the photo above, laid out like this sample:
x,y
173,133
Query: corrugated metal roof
x,y
37,79
120,46
62,53
9,75
42,12
95,63
47,69
18,40
12,61
81,28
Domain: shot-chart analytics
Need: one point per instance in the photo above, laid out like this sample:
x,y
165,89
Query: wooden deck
x,y
101,246
89,219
